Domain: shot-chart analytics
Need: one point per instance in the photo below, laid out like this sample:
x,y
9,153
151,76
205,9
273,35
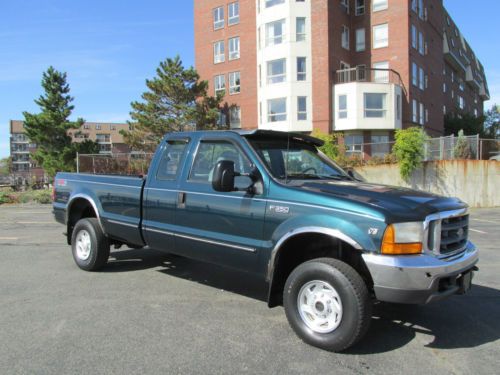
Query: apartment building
x,y
107,135
363,67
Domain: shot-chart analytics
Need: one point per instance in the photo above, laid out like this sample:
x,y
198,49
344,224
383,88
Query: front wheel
x,y
89,245
327,304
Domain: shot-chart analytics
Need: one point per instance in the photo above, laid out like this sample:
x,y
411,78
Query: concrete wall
x,y
476,182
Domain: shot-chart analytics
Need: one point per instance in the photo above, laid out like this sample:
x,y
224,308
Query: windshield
x,y
296,160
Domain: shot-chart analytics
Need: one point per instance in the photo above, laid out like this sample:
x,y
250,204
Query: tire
x,y
342,312
89,245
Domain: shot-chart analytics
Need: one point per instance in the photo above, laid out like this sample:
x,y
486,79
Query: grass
x,y
9,196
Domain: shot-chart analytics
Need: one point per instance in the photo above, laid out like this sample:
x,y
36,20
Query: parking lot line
x,y
478,231
487,221
9,238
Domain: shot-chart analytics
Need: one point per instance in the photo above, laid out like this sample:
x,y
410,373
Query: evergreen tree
x,y
176,100
49,128
492,123
470,124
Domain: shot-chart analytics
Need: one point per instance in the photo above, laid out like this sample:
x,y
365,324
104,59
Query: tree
x,y
49,128
330,147
176,100
409,150
462,149
5,166
492,123
471,125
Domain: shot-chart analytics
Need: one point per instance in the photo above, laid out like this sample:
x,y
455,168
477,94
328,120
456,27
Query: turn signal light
x,y
390,246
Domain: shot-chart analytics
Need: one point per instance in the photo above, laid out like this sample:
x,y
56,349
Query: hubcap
x,y
320,306
83,245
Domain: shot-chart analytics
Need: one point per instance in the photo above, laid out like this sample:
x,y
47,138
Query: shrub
x,y
331,146
462,148
409,150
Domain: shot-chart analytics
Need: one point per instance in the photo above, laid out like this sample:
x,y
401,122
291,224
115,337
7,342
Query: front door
x,y
223,228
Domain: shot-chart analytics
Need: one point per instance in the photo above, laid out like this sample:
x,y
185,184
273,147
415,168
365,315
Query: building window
x,y
360,40
353,143
271,3
381,36
415,111
276,110
300,29
220,84
360,7
98,127
421,79
380,145
461,102
302,108
301,69
398,107
379,5
375,105
421,9
234,83
421,43
234,48
113,127
219,55
86,126
414,41
276,71
342,106
381,72
235,117
233,13
345,5
426,116
275,32
422,114
414,5
444,87
345,37
218,14
414,74
444,110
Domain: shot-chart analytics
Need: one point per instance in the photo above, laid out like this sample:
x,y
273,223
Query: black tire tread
x,y
102,245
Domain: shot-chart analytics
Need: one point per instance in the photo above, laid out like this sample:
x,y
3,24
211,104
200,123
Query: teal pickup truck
x,y
271,204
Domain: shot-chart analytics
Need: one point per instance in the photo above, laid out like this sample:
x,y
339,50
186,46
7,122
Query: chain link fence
x,y
131,164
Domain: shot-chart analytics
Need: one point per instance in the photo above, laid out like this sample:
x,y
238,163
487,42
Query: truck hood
x,y
396,203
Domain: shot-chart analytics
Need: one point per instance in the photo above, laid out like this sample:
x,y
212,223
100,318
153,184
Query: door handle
x,y
181,200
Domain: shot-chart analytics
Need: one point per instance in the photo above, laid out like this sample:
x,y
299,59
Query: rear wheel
x,y
89,245
327,304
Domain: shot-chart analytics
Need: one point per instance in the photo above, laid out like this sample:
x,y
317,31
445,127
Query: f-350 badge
x,y
279,209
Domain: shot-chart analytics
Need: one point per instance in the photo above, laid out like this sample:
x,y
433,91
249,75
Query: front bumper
x,y
418,279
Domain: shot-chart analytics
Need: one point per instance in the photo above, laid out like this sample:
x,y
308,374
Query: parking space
x,y
149,312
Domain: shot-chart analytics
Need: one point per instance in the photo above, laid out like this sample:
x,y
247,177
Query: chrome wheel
x,y
319,306
83,245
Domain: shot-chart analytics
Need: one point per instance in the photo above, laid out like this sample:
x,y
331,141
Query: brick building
x,y
363,67
107,135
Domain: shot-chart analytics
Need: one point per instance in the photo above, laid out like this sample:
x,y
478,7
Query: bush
x,y
331,146
462,148
42,196
409,150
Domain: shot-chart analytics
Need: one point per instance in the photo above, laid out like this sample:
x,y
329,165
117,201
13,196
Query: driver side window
x,y
210,153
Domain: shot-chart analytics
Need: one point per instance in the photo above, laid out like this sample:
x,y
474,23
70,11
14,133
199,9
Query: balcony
x,y
368,99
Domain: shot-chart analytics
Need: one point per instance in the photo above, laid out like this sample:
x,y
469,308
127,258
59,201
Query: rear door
x,y
223,228
161,194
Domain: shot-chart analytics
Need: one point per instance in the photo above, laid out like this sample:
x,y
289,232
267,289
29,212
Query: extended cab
x,y
269,203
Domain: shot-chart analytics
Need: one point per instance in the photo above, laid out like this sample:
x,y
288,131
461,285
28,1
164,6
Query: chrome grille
x,y
446,233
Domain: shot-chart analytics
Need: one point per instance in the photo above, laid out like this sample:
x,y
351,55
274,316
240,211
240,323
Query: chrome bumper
x,y
418,279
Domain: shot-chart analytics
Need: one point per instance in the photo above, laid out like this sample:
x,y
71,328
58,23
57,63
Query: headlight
x,y
403,238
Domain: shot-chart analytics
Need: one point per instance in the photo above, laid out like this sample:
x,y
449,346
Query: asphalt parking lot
x,y
148,312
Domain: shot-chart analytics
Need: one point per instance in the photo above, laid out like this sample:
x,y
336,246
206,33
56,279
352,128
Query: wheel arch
x,y
308,243
80,206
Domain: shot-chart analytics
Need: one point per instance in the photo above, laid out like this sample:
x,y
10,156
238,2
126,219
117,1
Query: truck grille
x,y
447,233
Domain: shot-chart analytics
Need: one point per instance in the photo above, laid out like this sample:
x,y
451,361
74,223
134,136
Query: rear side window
x,y
171,160
210,153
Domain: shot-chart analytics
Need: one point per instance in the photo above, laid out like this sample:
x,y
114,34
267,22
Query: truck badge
x,y
279,209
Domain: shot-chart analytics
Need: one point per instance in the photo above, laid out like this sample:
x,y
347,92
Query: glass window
x,y
271,3
381,36
210,153
422,114
414,5
360,40
300,26
220,84
381,72
353,143
234,48
342,106
302,108
421,79
234,83
414,41
360,7
414,111
275,32
421,9
276,71
233,13
301,69
380,145
235,117
276,110
379,5
375,105
421,43
219,54
171,160
218,14
345,37
414,74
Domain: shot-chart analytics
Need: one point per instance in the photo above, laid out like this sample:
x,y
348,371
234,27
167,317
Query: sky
x,y
109,48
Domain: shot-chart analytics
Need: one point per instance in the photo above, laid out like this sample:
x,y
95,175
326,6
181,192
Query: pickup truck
x,y
271,204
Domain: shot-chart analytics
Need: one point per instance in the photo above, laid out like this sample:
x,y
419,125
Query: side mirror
x,y
355,176
223,176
